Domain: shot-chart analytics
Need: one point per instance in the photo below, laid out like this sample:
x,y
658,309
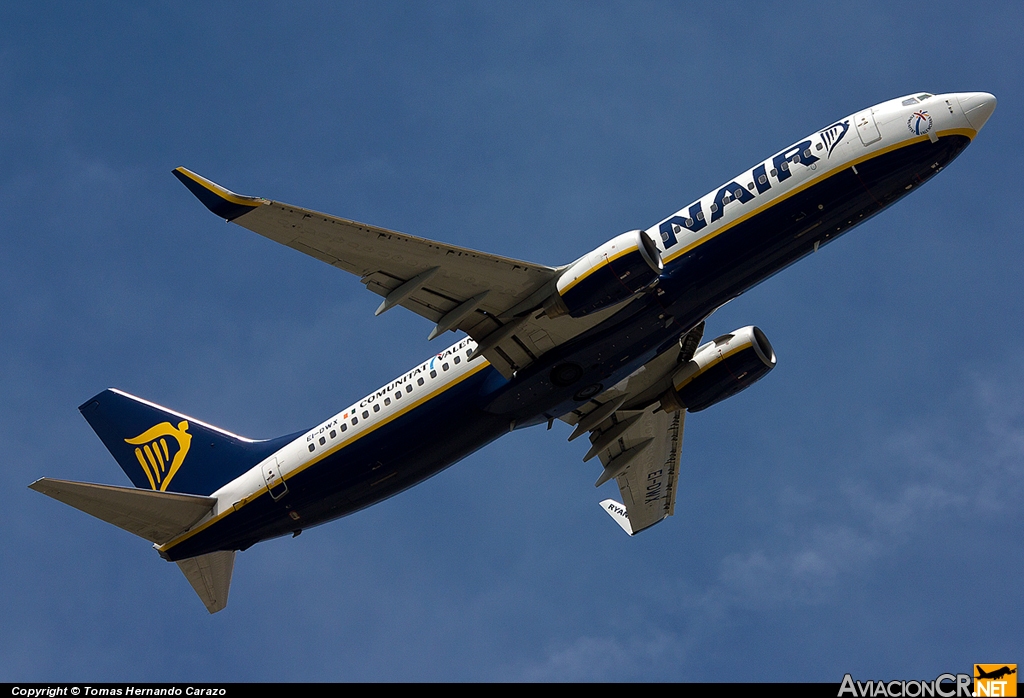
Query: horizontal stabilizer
x,y
210,576
156,516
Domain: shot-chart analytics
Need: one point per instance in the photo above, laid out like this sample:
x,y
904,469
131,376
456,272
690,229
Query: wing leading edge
x,y
489,297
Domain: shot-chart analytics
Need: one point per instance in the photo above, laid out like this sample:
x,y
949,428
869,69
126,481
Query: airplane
x,y
995,673
610,344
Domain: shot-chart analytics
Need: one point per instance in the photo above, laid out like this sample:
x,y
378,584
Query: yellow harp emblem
x,y
154,456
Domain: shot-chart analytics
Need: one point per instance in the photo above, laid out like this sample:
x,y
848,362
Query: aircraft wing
x,y
637,442
487,296
640,450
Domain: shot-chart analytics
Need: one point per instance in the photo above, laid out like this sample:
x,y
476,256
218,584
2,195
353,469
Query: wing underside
x,y
495,300
637,441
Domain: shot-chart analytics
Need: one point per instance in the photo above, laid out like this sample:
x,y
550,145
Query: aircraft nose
x,y
977,106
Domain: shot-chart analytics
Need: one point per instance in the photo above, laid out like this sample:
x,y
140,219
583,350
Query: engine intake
x,y
616,271
720,369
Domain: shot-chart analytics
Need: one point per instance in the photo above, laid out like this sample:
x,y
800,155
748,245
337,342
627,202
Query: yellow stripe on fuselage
x,y
351,439
970,133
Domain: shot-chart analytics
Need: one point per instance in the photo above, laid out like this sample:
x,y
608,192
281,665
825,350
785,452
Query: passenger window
x,y
433,374
775,173
750,186
819,146
700,215
322,441
366,414
807,153
444,366
457,359
714,208
398,394
408,388
762,179
419,381
376,407
334,434
387,401
784,167
344,427
355,421
468,352
312,448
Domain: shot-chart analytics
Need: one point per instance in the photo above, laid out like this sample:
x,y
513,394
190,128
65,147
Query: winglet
x,y
223,202
618,513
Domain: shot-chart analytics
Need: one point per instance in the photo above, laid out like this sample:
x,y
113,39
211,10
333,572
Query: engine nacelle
x,y
619,269
720,369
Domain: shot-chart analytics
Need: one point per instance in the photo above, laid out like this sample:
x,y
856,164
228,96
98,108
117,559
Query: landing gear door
x,y
867,129
275,483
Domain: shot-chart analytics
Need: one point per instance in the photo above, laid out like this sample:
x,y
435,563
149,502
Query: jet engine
x,y
720,369
619,269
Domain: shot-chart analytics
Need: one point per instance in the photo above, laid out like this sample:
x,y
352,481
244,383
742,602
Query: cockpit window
x,y
924,96
908,102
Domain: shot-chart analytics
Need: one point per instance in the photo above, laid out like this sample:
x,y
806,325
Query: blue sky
x,y
856,511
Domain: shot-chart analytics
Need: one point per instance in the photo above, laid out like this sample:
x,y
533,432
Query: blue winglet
x,y
223,202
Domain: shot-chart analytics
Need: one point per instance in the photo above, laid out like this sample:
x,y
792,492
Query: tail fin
x,y
162,450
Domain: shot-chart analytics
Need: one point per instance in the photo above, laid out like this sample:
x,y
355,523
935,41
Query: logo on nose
x,y
919,123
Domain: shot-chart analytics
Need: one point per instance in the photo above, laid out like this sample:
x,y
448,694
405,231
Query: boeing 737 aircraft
x,y
610,343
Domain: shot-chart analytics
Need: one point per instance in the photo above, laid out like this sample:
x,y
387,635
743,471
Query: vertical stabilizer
x,y
166,451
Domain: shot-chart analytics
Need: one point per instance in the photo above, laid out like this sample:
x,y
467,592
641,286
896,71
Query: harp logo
x,y
833,135
161,450
995,679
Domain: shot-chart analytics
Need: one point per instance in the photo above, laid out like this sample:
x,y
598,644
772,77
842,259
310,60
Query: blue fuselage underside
x,y
481,408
